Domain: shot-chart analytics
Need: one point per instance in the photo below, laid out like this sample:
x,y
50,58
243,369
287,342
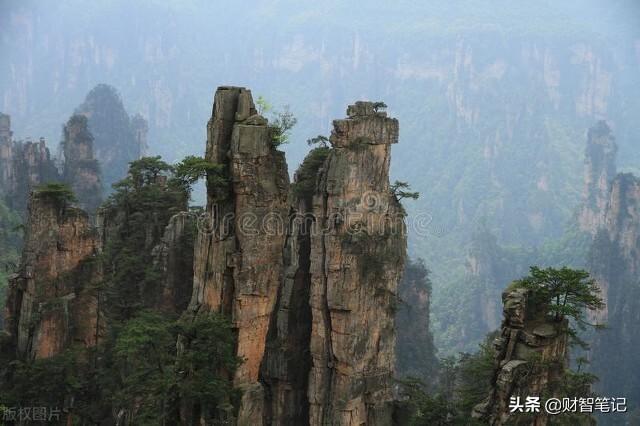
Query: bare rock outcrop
x,y
615,263
357,257
23,166
599,171
308,274
140,128
173,258
415,349
81,169
238,254
285,370
52,301
531,354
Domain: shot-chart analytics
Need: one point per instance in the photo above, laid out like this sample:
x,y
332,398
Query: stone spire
x,y
52,301
23,166
531,355
357,256
599,171
81,169
238,256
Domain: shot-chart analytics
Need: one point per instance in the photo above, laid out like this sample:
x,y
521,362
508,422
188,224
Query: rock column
x,y
357,256
238,257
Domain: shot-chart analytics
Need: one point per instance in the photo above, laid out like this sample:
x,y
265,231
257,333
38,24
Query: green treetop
x,y
566,292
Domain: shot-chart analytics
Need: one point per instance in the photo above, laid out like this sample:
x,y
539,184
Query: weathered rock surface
x,y
599,171
531,353
285,370
414,345
81,169
310,282
238,259
614,263
173,257
23,165
357,257
307,274
140,129
51,301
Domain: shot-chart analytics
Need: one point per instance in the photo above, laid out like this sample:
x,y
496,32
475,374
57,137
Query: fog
x,y
494,100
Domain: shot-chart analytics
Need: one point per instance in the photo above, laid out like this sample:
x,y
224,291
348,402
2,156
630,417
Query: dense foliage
x,y
463,382
192,168
493,103
150,363
469,307
136,215
305,179
565,293
155,375
58,193
138,371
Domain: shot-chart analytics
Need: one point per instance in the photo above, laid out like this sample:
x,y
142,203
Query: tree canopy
x,y
403,190
566,293
281,126
192,168
320,140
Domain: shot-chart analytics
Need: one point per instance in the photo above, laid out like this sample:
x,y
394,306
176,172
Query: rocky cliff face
x,y
309,276
614,263
140,129
81,169
357,257
51,301
173,258
147,235
599,171
238,259
285,370
531,354
5,128
414,346
23,165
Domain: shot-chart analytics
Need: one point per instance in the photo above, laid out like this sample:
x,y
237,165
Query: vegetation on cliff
x,y
135,217
306,176
192,168
281,121
58,193
566,293
150,360
553,295
462,382
10,241
415,351
154,375
138,371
